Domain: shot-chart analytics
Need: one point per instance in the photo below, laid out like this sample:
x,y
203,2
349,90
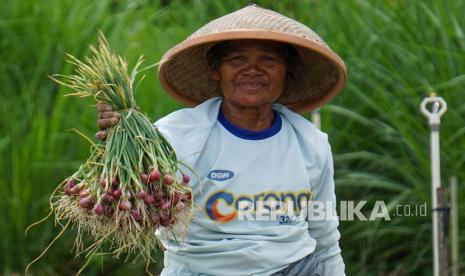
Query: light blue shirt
x,y
240,172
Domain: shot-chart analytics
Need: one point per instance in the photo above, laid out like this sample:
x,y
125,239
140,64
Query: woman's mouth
x,y
251,85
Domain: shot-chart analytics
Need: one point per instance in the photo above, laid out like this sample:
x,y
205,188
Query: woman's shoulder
x,y
203,114
313,142
187,129
300,123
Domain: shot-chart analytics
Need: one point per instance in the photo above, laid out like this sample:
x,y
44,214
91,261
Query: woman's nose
x,y
252,68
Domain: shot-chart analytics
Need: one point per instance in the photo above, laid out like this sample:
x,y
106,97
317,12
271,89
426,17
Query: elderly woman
x,y
259,162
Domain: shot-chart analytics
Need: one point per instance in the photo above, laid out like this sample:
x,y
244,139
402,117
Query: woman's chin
x,y
252,101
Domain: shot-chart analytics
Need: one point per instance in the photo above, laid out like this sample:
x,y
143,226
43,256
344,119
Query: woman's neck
x,y
250,118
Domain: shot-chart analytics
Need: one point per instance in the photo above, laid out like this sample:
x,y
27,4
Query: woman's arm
x,y
324,228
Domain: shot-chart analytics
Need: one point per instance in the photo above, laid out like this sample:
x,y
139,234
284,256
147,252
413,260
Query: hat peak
x,y
253,18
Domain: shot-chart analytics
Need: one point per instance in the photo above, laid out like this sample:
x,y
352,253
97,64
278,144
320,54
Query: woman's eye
x,y
239,59
269,60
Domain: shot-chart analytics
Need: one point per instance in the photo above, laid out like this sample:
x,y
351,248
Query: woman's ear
x,y
215,74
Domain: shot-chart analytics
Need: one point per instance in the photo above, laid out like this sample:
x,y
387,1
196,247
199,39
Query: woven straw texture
x,y
316,78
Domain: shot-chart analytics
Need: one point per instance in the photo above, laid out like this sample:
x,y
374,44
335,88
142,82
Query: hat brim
x,y
333,65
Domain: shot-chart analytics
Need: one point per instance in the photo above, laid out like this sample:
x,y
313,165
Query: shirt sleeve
x,y
322,226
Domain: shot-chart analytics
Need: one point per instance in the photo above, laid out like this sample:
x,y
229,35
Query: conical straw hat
x,y
186,76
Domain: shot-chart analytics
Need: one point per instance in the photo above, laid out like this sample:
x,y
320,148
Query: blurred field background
x,y
396,53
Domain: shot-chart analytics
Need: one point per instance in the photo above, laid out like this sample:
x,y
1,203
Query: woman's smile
x,y
251,85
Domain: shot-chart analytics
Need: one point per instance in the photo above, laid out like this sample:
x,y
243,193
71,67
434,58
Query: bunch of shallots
x,y
131,185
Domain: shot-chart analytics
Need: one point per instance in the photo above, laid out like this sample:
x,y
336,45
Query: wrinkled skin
x,y
251,75
106,118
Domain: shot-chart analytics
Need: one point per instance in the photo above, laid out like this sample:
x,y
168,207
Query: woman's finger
x,y
102,107
106,123
108,114
101,135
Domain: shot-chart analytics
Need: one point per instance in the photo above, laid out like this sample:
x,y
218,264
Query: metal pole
x,y
316,118
434,120
443,232
454,216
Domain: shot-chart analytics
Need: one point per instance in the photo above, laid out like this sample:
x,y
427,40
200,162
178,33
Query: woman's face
x,y
251,73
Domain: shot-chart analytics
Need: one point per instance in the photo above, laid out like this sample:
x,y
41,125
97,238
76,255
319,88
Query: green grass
x,y
396,53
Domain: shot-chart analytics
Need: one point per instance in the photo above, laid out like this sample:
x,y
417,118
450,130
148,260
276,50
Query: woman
x,y
258,162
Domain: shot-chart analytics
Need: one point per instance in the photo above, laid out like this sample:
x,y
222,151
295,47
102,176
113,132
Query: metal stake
x,y
439,106
316,118
454,217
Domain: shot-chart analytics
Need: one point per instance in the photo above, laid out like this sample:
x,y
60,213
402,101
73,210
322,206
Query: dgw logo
x,y
220,175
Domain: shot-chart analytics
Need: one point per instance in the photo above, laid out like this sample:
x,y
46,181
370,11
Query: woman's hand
x,y
106,118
